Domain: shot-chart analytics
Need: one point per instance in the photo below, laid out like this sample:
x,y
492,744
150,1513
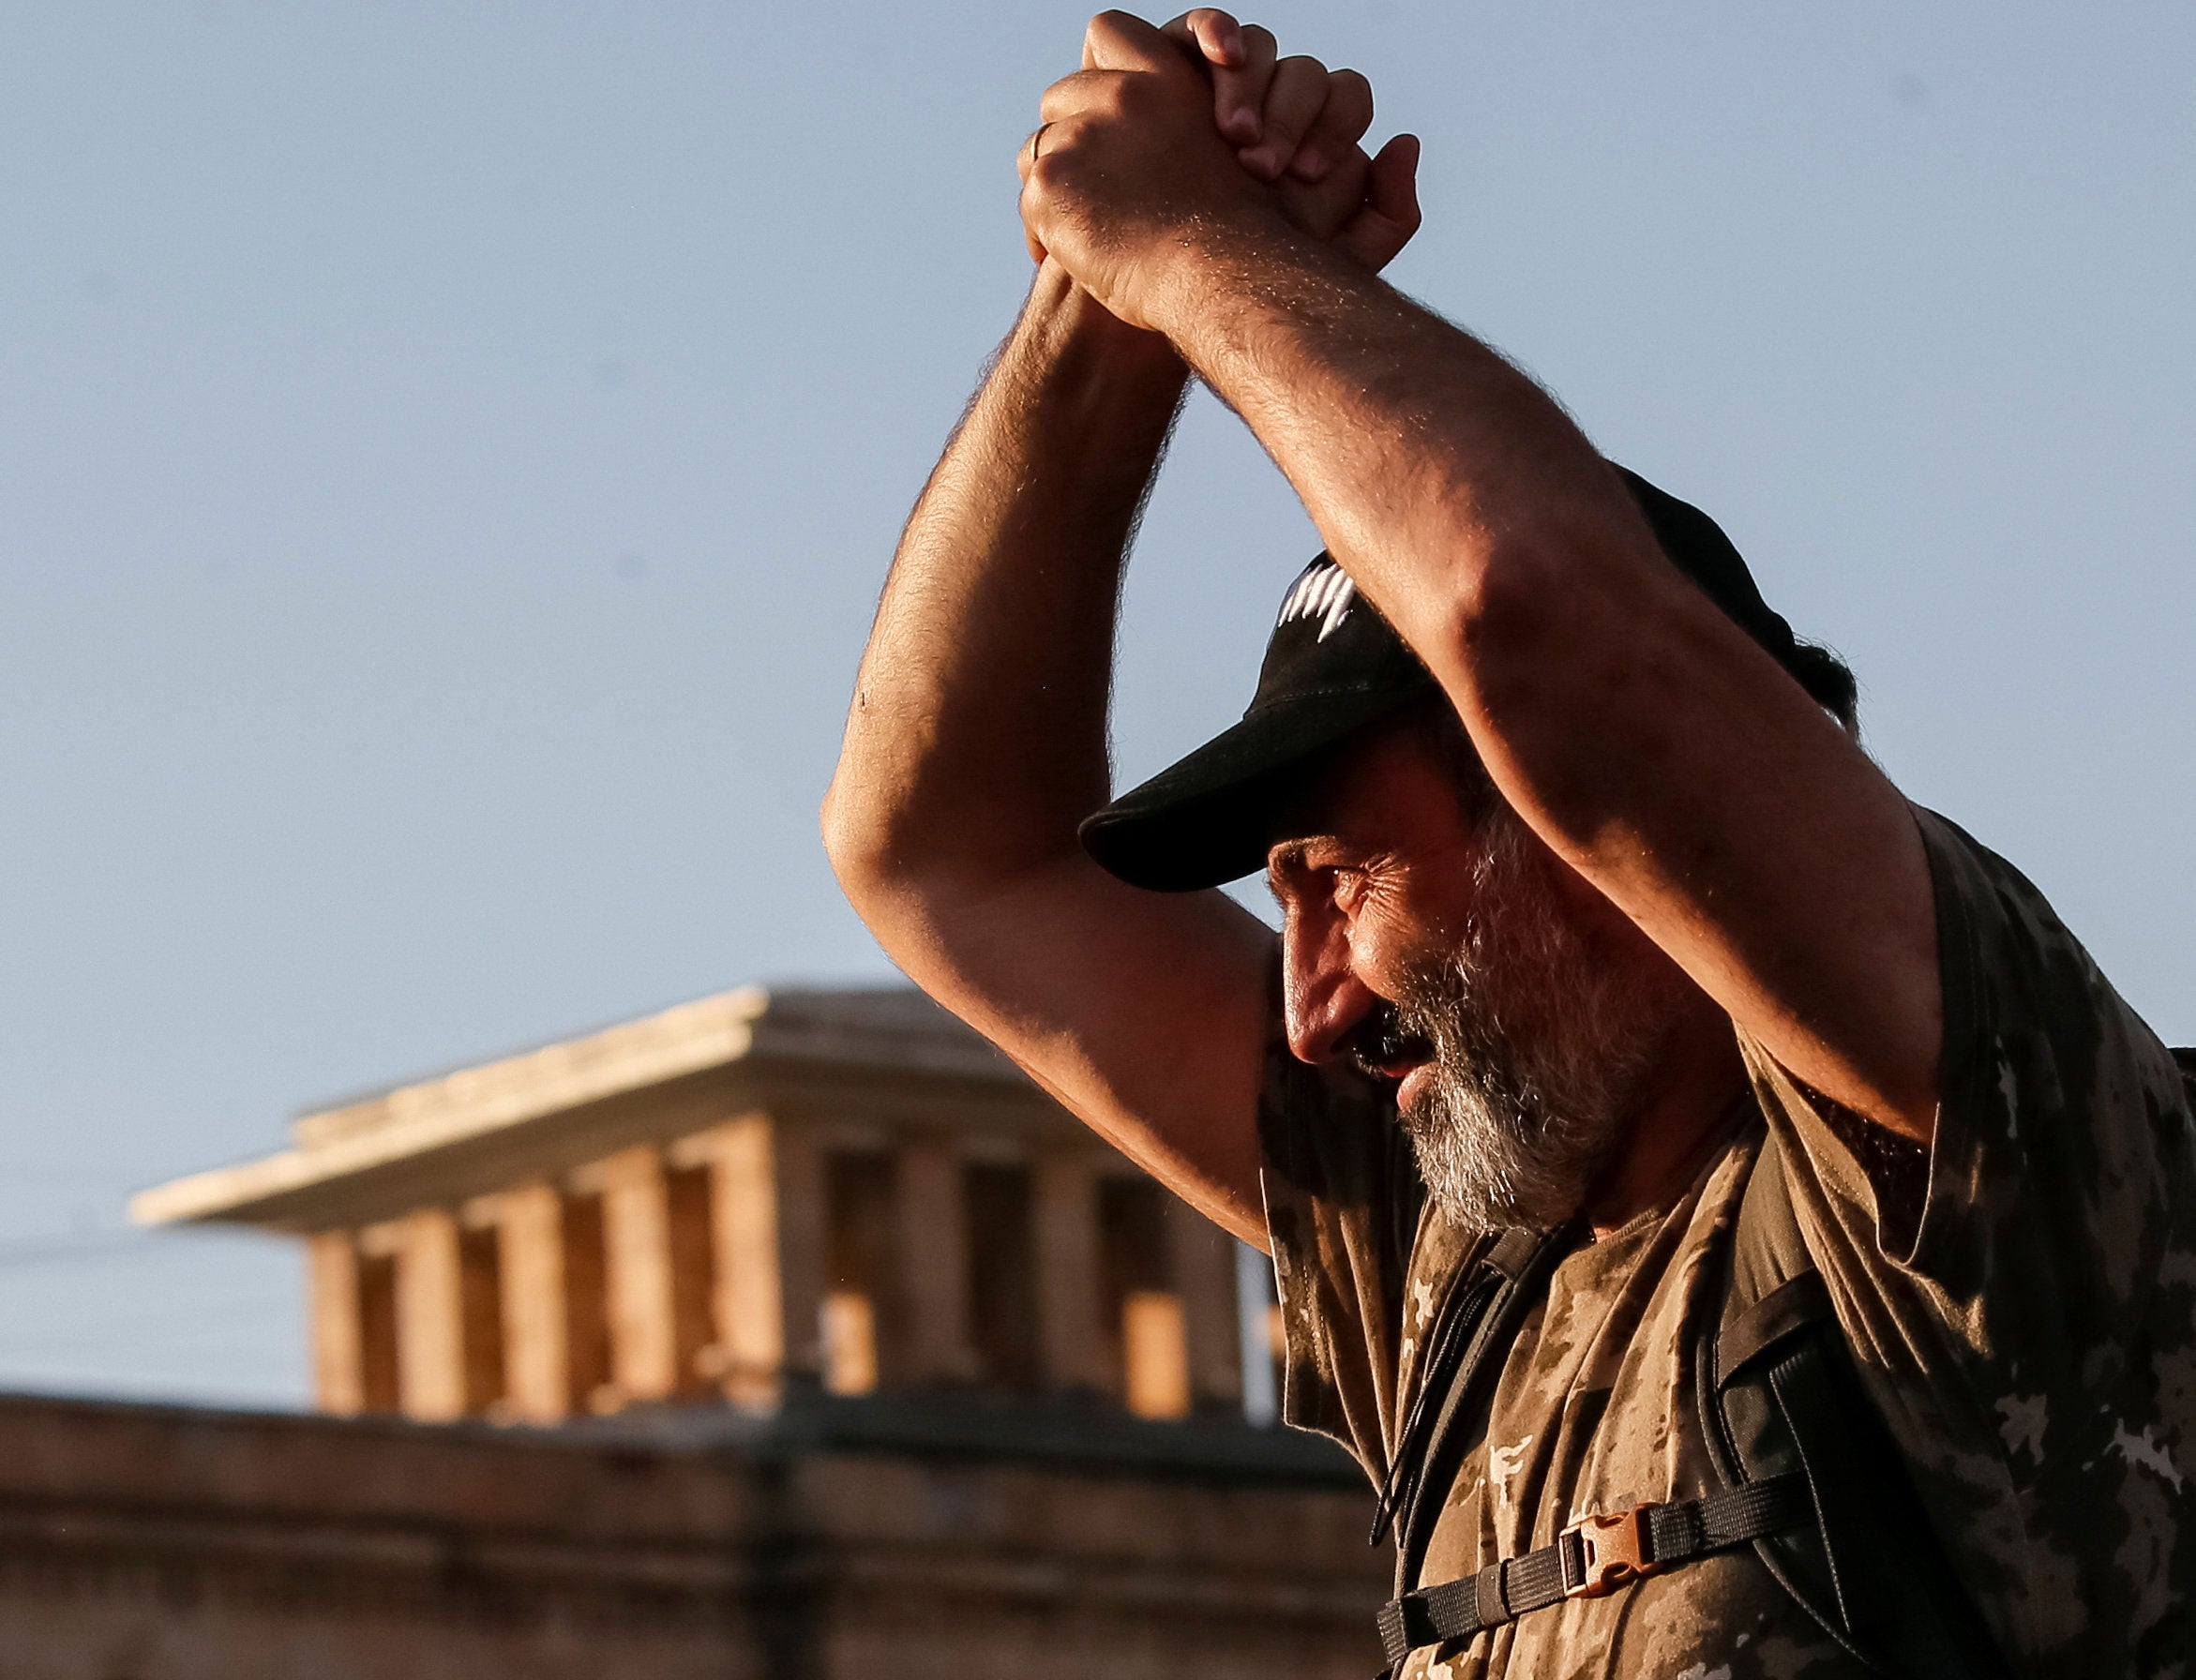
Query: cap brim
x,y
1210,817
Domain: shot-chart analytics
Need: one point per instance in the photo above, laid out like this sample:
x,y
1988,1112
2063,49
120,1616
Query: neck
x,y
1686,1109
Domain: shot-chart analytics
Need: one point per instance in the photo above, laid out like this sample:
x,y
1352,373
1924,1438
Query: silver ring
x,y
1036,139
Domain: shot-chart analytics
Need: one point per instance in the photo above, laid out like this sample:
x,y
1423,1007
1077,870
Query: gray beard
x,y
1541,1045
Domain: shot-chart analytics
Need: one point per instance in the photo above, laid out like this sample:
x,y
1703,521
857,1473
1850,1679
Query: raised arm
x,y
976,740
1642,734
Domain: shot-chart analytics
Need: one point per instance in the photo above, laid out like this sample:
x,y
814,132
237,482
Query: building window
x,y
693,1241
997,1207
480,1318
1144,1309
587,1317
861,1202
377,1332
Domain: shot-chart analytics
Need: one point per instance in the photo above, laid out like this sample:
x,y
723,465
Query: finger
x,y
1293,104
1072,95
1343,122
1119,41
1238,90
1322,208
1024,205
1208,34
1389,215
1025,159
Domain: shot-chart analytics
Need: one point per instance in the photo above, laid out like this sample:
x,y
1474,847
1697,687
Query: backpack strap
x,y
1811,1477
1592,1558
1779,1398
1480,1318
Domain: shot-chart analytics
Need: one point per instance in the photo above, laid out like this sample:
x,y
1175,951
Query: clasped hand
x,y
1171,144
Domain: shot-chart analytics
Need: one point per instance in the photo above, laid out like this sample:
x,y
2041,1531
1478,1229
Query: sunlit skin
x,y
976,740
1637,730
1706,812
1380,877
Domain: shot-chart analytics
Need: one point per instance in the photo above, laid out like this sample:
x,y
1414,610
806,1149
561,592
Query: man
x,y
1586,890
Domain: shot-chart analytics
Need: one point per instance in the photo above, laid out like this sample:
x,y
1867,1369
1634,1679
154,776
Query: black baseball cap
x,y
1334,664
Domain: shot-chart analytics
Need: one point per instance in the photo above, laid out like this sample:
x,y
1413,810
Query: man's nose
x,y
1322,998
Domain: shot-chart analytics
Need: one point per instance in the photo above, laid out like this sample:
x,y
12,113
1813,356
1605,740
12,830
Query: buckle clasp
x,y
1602,1552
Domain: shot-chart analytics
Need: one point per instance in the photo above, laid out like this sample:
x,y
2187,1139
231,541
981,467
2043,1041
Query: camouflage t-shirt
x,y
2021,1304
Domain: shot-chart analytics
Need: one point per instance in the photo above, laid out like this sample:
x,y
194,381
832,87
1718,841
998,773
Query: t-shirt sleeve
x,y
2020,1297
1342,1198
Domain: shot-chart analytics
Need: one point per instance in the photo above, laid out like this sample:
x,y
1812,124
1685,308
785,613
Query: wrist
x,y
1066,325
1204,292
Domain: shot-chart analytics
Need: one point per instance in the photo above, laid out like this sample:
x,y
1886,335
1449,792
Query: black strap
x,y
1476,1287
1521,1261
1578,1566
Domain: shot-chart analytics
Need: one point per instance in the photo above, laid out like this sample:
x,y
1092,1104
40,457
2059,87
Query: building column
x,y
1070,1274
656,1248
639,1290
933,1242
430,1316
339,1336
1203,1258
746,1289
537,1351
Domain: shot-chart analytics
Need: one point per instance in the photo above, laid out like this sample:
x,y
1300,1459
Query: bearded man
x,y
1600,934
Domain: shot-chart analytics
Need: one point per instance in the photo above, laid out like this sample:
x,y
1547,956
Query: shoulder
x,y
2033,1027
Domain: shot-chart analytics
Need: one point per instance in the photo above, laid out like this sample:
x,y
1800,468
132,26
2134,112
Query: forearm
x,y
1425,458
1458,494
1651,742
976,740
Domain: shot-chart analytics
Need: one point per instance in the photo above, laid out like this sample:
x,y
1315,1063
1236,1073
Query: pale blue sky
x,y
448,454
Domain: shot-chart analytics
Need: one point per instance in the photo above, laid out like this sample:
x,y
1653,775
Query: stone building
x,y
737,1198
787,1334
830,1539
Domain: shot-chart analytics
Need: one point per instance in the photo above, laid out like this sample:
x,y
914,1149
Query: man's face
x,y
1518,1010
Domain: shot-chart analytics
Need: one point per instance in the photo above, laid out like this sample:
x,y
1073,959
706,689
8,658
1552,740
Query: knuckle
x,y
1131,96
1045,175
1349,108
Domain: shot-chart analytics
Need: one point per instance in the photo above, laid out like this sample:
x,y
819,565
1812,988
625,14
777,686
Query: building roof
x,y
549,1109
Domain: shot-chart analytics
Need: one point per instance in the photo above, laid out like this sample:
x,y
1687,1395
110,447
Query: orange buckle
x,y
1601,1553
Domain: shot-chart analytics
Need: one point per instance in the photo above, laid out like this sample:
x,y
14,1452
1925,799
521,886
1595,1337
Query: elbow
x,y
892,861
1544,658
857,840
1541,580
1504,626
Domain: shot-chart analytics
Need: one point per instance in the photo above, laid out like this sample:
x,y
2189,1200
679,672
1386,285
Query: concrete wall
x,y
146,1543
